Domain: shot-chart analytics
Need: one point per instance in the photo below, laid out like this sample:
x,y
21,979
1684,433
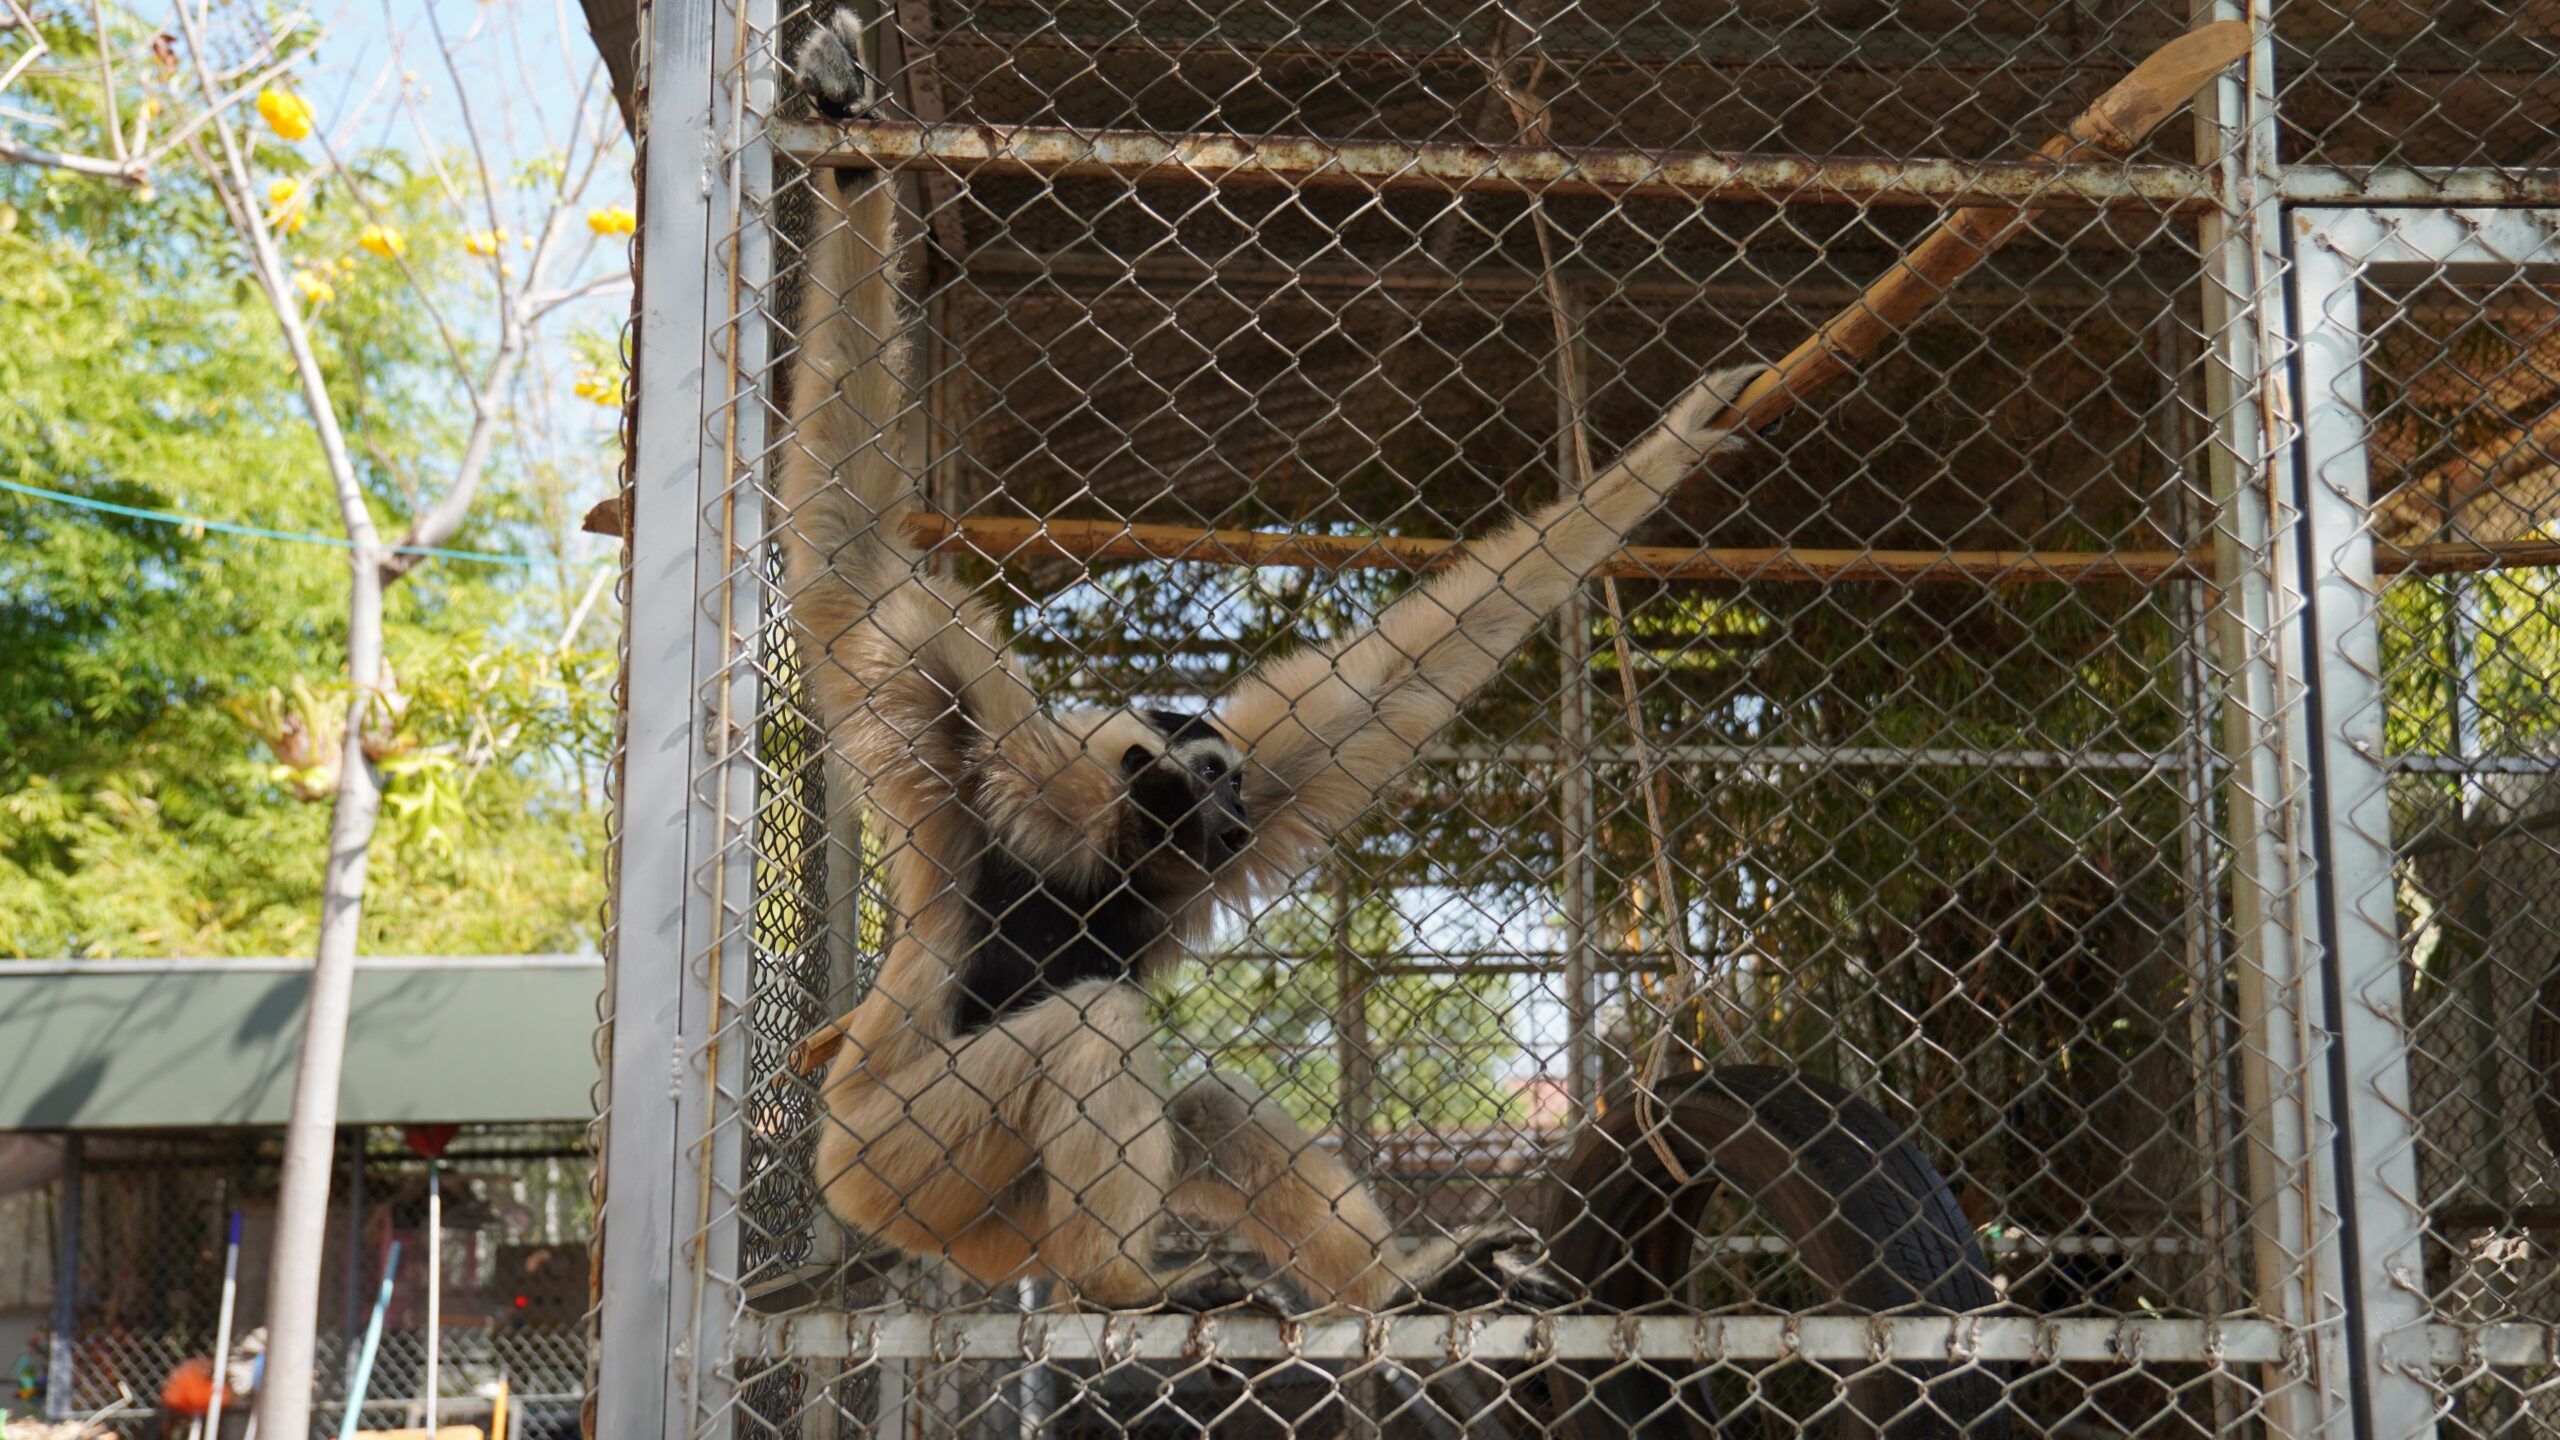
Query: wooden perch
x,y
2158,88
2432,505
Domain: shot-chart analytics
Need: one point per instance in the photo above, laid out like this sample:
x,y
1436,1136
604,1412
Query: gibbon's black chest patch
x,y
1040,938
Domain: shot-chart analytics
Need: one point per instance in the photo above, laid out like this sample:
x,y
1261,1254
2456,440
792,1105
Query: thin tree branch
x,y
545,304
565,193
107,77
169,144
470,124
427,145
435,313
269,266
586,605
515,326
123,172
440,522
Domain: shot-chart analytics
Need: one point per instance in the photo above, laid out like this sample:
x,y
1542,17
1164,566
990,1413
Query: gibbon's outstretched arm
x,y
997,1097
1325,730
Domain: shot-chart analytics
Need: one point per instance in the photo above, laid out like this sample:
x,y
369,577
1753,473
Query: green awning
x,y
124,1044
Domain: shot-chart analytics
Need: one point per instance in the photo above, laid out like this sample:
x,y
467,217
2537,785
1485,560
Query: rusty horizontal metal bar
x,y
999,34
1010,540
1759,756
1304,160
2464,557
2420,185
1007,540
854,1340
1091,270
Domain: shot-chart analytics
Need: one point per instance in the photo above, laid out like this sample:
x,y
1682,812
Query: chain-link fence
x,y
146,1216
2007,904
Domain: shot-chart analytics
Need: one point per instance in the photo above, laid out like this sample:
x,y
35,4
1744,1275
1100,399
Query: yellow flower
x,y
384,241
286,113
288,206
484,243
612,220
315,287
604,390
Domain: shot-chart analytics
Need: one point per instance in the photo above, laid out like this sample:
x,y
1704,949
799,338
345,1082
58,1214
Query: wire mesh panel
x,y
145,1223
2429,400
1850,944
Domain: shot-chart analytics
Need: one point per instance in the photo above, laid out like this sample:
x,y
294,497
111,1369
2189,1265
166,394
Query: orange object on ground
x,y
189,1388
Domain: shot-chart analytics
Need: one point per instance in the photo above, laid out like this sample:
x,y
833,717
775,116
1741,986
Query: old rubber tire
x,y
1868,1214
2542,1055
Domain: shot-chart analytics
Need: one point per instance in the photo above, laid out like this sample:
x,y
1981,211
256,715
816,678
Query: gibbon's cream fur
x,y
997,1098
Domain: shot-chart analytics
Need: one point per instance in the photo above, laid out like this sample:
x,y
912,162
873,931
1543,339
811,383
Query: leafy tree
x,y
167,691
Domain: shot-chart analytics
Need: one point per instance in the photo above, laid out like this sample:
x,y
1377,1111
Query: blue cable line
x,y
169,517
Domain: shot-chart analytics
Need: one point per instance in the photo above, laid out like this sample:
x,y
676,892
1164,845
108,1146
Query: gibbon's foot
x,y
1479,1277
1199,1288
1222,1293
830,66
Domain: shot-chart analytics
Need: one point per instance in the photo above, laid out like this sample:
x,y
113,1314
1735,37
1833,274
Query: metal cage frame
x,y
2340,1341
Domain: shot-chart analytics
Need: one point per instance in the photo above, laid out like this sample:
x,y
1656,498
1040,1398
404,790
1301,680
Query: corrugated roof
x,y
162,1043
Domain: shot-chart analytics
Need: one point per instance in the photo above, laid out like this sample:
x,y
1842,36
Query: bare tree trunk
x,y
310,1137
302,1205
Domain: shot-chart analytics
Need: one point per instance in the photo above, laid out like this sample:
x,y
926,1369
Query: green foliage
x,y
139,814
1267,1013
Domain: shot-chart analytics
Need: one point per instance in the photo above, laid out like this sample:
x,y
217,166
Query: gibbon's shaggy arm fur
x,y
1327,729
997,1097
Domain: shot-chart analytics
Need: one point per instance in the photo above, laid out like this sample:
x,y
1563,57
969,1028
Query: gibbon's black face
x,y
1192,790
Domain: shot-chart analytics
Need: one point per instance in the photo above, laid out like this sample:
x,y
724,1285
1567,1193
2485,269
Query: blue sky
x,y
505,81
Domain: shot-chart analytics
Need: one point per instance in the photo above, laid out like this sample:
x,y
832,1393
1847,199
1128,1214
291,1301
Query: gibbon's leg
x,y
1038,1145
1092,1109
1248,1166
911,1150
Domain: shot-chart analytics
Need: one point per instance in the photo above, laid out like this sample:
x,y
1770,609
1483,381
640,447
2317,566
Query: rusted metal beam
x,y
1089,540
1813,54
1451,166
1007,540
2421,185
2465,557
1089,270
919,73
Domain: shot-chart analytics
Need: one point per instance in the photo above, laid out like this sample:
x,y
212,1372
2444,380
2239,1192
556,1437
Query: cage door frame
x,y
683,896
2384,1221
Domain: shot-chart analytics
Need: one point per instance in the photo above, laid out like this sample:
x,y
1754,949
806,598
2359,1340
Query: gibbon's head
x,y
1186,788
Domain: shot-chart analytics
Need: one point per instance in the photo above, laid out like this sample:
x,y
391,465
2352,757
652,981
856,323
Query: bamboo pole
x,y
2109,129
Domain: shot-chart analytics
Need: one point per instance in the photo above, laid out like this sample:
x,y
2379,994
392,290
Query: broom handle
x,y
2112,127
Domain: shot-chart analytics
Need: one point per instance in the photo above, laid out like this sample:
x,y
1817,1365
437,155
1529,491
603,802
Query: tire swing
x,y
2542,1058
1867,1214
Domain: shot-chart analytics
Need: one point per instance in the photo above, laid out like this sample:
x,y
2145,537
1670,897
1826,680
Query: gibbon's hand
x,y
830,66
